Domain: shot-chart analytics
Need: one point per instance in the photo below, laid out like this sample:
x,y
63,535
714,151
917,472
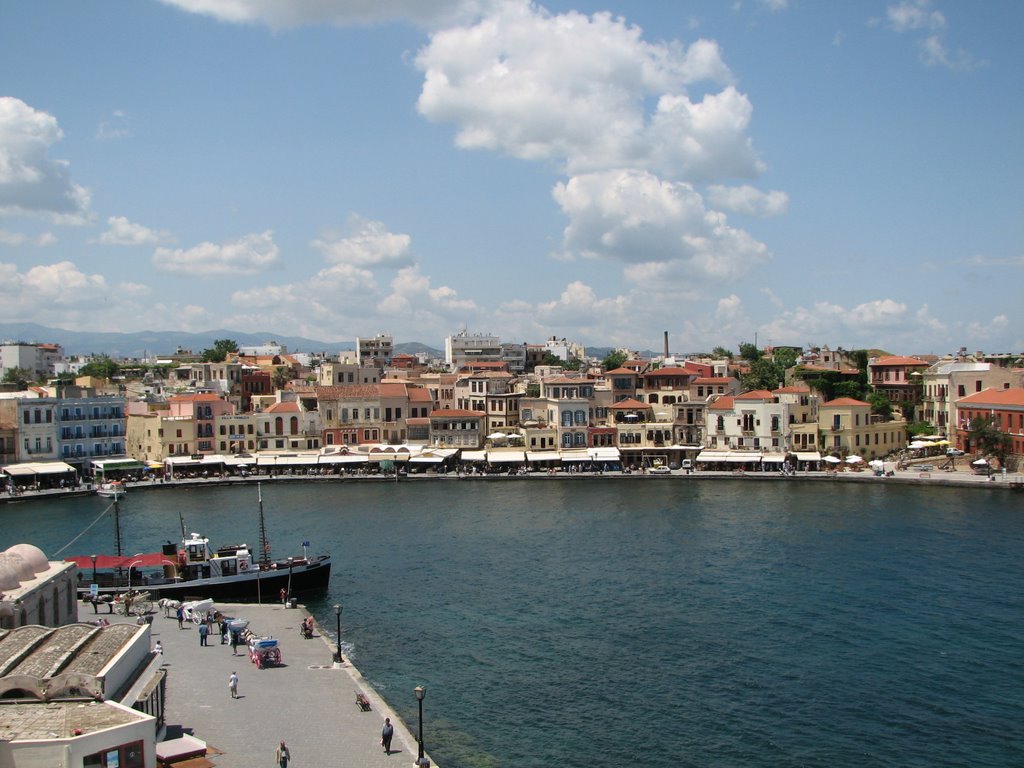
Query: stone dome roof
x,y
32,555
13,570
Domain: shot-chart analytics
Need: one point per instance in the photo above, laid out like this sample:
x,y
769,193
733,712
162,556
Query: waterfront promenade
x,y
961,477
306,702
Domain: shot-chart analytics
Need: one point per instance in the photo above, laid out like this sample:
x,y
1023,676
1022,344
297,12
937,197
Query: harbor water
x,y
605,622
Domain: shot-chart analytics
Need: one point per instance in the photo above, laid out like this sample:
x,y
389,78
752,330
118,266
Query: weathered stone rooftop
x,y
60,719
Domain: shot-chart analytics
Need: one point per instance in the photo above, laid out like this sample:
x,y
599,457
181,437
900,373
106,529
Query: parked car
x,y
661,469
687,464
954,452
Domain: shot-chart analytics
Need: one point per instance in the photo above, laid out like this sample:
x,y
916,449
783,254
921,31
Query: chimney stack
x,y
666,343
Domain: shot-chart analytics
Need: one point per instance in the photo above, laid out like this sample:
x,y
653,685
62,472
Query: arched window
x,y
294,425
652,399
278,426
581,417
580,438
56,606
567,440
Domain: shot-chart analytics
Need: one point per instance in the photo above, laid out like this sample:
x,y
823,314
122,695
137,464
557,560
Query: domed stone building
x,y
34,590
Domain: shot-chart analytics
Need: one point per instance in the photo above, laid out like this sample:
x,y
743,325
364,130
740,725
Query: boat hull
x,y
257,585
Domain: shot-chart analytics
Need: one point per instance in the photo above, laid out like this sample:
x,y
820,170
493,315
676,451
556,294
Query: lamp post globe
x,y
420,692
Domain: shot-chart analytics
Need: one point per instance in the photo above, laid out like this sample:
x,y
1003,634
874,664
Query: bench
x,y
362,702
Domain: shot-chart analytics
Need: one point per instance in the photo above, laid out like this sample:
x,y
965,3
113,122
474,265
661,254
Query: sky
x,y
796,172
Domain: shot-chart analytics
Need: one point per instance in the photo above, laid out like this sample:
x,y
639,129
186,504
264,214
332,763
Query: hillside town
x,y
494,406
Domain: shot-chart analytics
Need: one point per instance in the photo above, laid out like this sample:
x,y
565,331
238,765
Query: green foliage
x,y
573,365
880,404
916,428
749,352
281,377
219,351
987,440
720,352
19,376
552,359
784,358
101,367
533,390
614,360
764,374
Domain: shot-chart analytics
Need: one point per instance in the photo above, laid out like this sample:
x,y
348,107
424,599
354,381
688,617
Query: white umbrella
x,y
832,459
876,463
918,445
854,459
979,461
497,436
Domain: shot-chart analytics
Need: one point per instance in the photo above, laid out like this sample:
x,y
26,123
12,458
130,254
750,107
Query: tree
x,y
19,376
880,404
988,440
552,359
101,367
764,374
784,358
614,360
749,352
719,352
281,377
220,350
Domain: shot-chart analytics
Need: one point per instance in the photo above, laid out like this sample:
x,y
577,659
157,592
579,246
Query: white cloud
x,y
928,25
248,255
46,239
748,200
279,14
30,181
12,238
573,90
34,295
121,231
116,126
664,226
366,244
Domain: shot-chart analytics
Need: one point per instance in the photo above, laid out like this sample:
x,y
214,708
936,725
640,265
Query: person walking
x,y
233,686
234,643
181,617
203,632
386,734
282,755
158,649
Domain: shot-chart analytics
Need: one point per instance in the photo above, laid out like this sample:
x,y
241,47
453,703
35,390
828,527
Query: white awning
x,y
122,463
426,459
266,461
293,461
181,461
506,457
773,458
239,461
583,455
607,453
214,459
474,456
737,457
542,456
808,456
343,458
19,470
710,456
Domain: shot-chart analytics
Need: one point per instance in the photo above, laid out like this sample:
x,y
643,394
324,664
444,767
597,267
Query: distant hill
x,y
160,343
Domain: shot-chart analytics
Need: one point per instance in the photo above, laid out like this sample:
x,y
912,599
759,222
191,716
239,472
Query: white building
x,y
465,348
41,359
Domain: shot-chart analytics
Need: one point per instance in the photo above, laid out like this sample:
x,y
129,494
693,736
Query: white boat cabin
x,y
197,560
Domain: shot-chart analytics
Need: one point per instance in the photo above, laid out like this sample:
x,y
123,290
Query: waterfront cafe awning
x,y
343,458
115,465
426,458
106,562
708,457
773,458
808,456
581,455
506,457
743,457
239,461
38,468
181,461
604,453
474,456
542,456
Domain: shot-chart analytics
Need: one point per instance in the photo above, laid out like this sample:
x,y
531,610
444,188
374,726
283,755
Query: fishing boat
x,y
194,569
112,490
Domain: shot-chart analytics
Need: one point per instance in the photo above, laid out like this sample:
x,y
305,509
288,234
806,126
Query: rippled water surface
x,y
602,622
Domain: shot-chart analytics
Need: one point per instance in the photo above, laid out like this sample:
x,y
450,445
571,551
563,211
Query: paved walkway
x,y
305,701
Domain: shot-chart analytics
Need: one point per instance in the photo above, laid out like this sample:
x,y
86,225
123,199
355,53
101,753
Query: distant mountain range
x,y
161,343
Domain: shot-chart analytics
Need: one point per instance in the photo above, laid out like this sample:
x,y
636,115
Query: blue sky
x,y
810,172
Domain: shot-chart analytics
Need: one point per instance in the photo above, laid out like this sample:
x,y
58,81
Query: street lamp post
x,y
420,692
93,557
337,654
132,563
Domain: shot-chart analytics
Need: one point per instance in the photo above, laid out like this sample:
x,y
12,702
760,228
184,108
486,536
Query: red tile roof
x,y
724,403
898,360
756,394
629,404
995,397
844,402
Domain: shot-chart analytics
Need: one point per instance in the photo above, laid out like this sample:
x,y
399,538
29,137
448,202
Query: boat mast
x,y
264,544
117,527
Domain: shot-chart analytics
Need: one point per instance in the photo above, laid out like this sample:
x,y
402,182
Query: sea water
x,y
648,622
